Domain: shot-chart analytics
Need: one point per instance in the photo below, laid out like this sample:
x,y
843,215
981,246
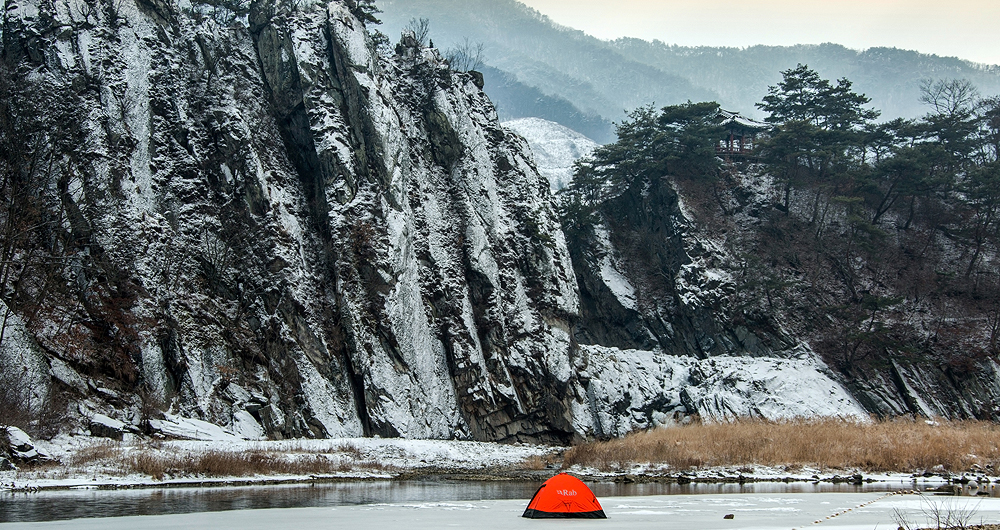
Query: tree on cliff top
x,y
365,10
818,126
677,141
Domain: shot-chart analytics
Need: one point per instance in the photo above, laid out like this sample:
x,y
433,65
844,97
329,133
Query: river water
x,y
83,503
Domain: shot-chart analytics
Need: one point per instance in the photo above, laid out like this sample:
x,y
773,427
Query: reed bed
x,y
158,464
243,464
891,446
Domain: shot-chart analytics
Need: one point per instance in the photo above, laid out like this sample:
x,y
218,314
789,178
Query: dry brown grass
x,y
97,453
534,463
158,461
893,446
344,449
242,464
537,463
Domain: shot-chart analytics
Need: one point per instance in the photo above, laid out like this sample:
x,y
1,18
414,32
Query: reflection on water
x,y
76,504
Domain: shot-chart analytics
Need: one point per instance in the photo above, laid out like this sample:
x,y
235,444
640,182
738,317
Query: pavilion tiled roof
x,y
727,118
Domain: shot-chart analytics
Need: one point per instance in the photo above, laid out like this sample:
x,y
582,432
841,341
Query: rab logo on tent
x,y
563,496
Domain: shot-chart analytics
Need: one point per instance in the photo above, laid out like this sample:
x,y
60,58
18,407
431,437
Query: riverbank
x,y
944,457
84,463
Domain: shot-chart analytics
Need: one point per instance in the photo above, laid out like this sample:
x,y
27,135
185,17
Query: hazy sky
x,y
969,29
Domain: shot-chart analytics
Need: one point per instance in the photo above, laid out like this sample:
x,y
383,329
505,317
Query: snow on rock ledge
x,y
23,448
180,428
632,389
104,427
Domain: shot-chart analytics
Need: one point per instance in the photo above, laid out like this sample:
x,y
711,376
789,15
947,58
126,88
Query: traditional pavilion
x,y
740,133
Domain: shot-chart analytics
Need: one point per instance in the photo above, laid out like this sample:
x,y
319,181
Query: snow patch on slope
x,y
19,355
632,389
191,429
611,273
556,148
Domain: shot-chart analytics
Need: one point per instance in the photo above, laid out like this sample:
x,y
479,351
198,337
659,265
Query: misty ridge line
x,y
536,67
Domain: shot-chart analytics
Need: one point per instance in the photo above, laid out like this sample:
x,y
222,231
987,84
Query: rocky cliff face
x,y
651,279
283,228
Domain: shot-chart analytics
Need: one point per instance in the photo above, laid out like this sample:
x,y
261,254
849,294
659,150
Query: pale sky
x,y
969,29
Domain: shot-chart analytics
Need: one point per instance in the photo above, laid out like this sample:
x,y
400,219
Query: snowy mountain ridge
x,y
555,148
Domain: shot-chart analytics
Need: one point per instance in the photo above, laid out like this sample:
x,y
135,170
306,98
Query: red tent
x,y
563,496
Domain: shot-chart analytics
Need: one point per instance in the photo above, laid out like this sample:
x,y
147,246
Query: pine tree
x,y
365,10
803,95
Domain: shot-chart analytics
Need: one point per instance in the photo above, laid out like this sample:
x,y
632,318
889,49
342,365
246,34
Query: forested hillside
x,y
877,241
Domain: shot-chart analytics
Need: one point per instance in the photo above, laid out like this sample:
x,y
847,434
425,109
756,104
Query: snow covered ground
x,y
96,463
90,463
838,511
556,148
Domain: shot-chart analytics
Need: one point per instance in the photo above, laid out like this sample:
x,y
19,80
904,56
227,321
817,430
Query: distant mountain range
x,y
536,66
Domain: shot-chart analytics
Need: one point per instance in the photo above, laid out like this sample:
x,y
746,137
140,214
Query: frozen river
x,y
860,511
89,503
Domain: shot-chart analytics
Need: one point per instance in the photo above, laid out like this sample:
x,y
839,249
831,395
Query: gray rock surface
x,y
646,241
102,426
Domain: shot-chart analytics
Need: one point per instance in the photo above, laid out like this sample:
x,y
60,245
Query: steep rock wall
x,y
328,237
650,280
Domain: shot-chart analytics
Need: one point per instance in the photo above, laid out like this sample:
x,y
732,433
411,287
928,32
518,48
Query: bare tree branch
x,y
466,57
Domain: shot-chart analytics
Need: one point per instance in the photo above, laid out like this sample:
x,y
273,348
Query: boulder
x,y
23,449
180,428
477,79
102,426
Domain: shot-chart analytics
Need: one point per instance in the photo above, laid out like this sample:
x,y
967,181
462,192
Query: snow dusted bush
x,y
14,400
4,444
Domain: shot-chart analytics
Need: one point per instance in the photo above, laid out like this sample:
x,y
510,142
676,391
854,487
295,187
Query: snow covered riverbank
x,y
84,462
88,463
